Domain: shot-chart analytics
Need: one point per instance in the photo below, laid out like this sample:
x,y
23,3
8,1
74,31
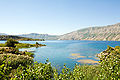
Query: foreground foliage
x,y
110,64
14,61
108,69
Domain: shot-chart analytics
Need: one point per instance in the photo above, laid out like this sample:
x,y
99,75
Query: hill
x,y
6,37
3,34
40,36
109,32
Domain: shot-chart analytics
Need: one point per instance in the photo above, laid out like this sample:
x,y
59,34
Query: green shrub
x,y
14,61
84,72
9,50
38,71
11,43
2,45
24,45
4,72
110,64
29,54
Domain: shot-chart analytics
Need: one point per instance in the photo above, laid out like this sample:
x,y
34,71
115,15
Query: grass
x,y
2,45
24,45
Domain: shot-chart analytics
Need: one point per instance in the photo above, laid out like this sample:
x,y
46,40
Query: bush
x,y
4,72
110,64
9,50
84,72
14,61
11,43
2,45
38,71
29,54
24,45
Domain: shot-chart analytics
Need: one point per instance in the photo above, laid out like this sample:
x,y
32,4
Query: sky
x,y
56,17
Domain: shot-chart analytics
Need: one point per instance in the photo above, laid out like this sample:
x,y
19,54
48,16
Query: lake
x,y
69,52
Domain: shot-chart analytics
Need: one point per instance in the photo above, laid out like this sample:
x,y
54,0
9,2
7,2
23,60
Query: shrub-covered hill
x,y
6,37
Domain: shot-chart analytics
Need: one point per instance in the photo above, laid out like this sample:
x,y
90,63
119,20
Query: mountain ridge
x,y
40,36
3,34
99,33
107,33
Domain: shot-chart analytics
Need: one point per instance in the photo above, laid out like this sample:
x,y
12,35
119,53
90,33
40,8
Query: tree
x,y
11,43
37,43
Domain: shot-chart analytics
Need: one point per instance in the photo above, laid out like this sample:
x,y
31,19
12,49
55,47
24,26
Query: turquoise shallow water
x,y
69,52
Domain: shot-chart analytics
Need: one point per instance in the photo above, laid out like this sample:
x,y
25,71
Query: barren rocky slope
x,y
110,33
40,36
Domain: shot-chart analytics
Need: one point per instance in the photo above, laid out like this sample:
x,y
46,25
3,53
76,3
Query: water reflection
x,y
87,61
76,56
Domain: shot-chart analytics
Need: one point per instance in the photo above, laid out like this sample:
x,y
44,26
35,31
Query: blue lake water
x,y
69,52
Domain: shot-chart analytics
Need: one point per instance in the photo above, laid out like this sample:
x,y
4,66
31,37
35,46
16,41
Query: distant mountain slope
x,y
3,34
40,36
110,32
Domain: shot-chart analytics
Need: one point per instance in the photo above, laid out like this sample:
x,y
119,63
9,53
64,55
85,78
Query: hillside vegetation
x,y
6,37
110,33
